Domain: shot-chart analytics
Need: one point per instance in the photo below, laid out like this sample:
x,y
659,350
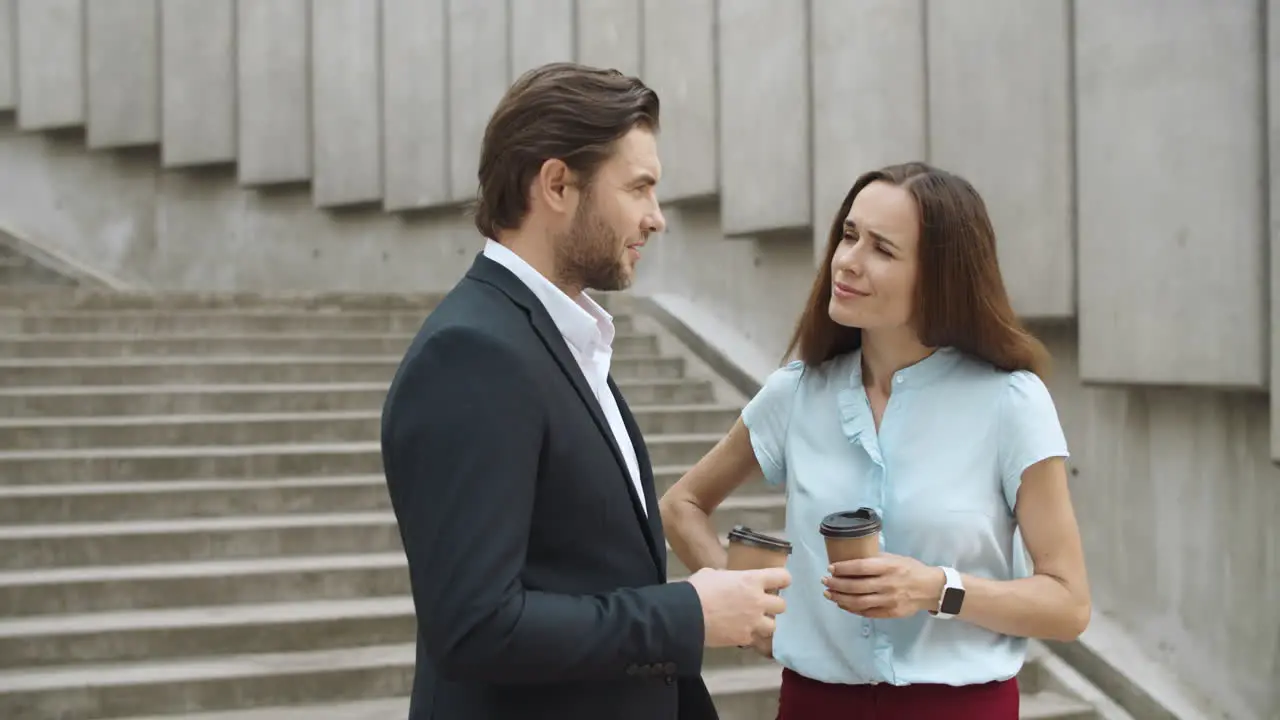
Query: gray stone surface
x,y
869,104
8,53
1273,229
346,102
122,47
198,81
1172,205
479,67
764,118
986,58
415,118
609,34
50,62
679,54
542,31
274,120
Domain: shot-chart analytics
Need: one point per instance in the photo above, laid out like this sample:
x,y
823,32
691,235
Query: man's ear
x,y
555,185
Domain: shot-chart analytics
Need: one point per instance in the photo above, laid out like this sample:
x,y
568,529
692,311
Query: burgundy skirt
x,y
805,699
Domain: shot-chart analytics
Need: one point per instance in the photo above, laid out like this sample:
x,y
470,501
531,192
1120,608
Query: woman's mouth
x,y
845,292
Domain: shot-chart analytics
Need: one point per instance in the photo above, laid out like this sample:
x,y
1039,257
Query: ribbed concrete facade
x,y
1124,148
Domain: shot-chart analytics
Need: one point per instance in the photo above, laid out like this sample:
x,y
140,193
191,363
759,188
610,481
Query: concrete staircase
x,y
193,520
18,270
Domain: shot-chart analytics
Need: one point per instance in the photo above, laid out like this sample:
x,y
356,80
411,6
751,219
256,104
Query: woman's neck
x,y
885,352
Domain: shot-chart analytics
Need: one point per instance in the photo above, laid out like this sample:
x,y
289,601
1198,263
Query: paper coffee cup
x,y
750,550
851,534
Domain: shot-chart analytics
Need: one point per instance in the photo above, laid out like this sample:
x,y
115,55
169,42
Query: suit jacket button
x,y
670,679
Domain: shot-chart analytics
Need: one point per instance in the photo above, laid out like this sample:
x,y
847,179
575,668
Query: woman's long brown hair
x,y
960,299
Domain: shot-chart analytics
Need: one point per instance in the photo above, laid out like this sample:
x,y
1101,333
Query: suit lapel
x,y
657,541
492,273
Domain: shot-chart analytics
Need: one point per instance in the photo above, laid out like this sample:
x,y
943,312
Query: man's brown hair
x,y
960,299
571,112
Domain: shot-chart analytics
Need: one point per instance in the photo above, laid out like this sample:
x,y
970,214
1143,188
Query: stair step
x,y
171,540
28,433
112,588
1048,705
255,369
158,499
141,635
221,321
41,345
78,465
93,299
113,400
250,682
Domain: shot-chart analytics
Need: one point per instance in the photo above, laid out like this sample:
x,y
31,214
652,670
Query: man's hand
x,y
737,605
764,646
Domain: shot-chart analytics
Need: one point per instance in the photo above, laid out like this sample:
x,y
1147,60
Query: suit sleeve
x,y
461,444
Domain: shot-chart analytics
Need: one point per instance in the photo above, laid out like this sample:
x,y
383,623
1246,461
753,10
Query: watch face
x,y
952,599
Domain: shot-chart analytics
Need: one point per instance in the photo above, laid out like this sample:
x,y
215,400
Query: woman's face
x,y
873,270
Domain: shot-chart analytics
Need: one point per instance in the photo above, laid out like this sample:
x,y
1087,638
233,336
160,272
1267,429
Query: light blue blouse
x,y
943,472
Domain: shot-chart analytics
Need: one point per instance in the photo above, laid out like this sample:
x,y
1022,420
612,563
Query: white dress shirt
x,y
588,331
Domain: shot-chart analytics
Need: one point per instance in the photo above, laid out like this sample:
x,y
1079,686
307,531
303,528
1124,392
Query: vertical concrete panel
x,y
541,32
8,52
274,119
609,34
50,63
346,97
198,81
869,99
1273,185
1171,162
764,115
1000,115
123,53
415,122
478,77
680,64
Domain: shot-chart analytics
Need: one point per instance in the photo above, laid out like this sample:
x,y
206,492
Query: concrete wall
x,y
1122,146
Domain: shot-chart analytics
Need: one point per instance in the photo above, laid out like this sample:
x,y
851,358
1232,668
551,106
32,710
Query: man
x,y
519,479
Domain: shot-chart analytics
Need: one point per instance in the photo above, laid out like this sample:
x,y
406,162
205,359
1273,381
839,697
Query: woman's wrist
x,y
929,586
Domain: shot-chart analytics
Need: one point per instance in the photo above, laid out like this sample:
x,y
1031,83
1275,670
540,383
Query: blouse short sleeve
x,y
767,416
1029,430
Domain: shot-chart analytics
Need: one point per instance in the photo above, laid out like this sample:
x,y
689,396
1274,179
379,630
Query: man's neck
x,y
534,248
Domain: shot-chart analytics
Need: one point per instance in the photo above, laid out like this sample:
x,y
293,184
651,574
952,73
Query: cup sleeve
x,y
1030,430
767,417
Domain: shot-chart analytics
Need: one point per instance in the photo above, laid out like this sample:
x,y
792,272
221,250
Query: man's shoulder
x,y
473,322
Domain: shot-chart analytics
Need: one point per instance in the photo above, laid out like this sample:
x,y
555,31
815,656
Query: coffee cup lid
x,y
850,523
747,536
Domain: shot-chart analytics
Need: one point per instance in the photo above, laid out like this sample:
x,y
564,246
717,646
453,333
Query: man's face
x,y
616,213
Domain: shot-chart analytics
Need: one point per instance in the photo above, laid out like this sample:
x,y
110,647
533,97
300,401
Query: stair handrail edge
x,y
26,243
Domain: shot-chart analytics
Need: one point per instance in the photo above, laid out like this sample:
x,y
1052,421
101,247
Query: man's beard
x,y
589,255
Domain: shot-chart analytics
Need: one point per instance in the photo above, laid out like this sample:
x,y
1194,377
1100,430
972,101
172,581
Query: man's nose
x,y
655,222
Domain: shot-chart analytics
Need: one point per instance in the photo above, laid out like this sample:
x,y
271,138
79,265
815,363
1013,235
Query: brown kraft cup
x,y
851,534
750,550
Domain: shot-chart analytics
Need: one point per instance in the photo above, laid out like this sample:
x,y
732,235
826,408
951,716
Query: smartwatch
x,y
952,595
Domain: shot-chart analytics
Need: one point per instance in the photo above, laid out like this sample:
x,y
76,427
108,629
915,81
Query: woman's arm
x,y
1051,604
1054,602
686,508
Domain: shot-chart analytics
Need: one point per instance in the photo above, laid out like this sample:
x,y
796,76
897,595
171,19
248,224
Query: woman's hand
x,y
885,586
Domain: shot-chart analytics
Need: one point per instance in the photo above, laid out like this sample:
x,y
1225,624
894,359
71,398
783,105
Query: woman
x,y
916,394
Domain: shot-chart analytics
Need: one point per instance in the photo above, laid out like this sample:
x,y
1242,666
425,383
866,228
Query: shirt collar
x,y
581,320
921,373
